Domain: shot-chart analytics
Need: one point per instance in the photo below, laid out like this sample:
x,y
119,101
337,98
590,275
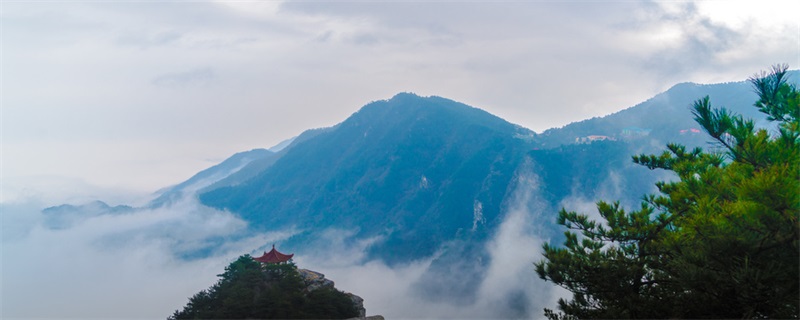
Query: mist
x,y
134,265
146,263
508,286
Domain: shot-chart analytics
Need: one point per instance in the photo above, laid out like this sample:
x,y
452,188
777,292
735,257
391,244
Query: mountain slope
x,y
257,166
666,114
411,169
212,175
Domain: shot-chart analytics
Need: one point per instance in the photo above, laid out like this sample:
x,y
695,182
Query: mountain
x,y
429,179
282,145
666,115
410,169
255,167
210,176
419,177
65,215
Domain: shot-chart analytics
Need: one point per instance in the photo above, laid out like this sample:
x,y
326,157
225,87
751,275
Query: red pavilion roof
x,y
273,256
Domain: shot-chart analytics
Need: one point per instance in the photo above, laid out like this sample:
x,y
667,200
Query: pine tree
x,y
721,242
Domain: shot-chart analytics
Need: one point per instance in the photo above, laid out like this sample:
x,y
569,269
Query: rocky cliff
x,y
315,280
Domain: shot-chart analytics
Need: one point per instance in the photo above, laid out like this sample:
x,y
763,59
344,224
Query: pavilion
x,y
273,256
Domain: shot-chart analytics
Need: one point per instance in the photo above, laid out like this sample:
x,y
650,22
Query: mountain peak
x,y
411,110
390,161
405,95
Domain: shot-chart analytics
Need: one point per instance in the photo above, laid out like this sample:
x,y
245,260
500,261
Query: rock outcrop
x,y
315,280
249,289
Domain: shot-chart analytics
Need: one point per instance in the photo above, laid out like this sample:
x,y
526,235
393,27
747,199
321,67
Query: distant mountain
x,y
260,164
282,145
66,215
666,117
210,176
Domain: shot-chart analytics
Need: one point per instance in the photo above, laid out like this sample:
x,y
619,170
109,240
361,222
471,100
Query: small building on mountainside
x,y
593,138
274,257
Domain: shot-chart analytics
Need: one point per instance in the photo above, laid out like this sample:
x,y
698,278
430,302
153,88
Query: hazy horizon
x,y
136,96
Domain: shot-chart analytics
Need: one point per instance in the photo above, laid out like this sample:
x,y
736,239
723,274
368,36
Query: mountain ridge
x,y
673,109
400,136
210,176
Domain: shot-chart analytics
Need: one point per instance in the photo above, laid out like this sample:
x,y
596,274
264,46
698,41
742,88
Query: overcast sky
x,y
138,95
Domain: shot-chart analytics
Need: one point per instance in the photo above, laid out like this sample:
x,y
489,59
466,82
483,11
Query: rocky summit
x,y
249,289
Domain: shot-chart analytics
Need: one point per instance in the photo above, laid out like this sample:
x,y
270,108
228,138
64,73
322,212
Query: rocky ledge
x,y
315,280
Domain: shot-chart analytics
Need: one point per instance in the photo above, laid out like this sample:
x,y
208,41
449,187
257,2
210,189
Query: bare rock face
x,y
315,280
358,302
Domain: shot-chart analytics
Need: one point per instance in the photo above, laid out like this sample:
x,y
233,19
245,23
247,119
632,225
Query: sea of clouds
x,y
146,262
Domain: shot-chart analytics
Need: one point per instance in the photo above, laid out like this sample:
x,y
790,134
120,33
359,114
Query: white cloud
x,y
130,265
764,15
508,288
83,73
199,76
134,265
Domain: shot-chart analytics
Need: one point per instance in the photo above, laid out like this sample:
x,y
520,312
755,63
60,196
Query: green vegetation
x,y
719,242
251,290
367,173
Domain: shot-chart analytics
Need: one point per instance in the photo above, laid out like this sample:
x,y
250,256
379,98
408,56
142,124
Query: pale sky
x,y
102,96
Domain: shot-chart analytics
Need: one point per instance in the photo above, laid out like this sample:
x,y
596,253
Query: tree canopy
x,y
719,242
251,290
